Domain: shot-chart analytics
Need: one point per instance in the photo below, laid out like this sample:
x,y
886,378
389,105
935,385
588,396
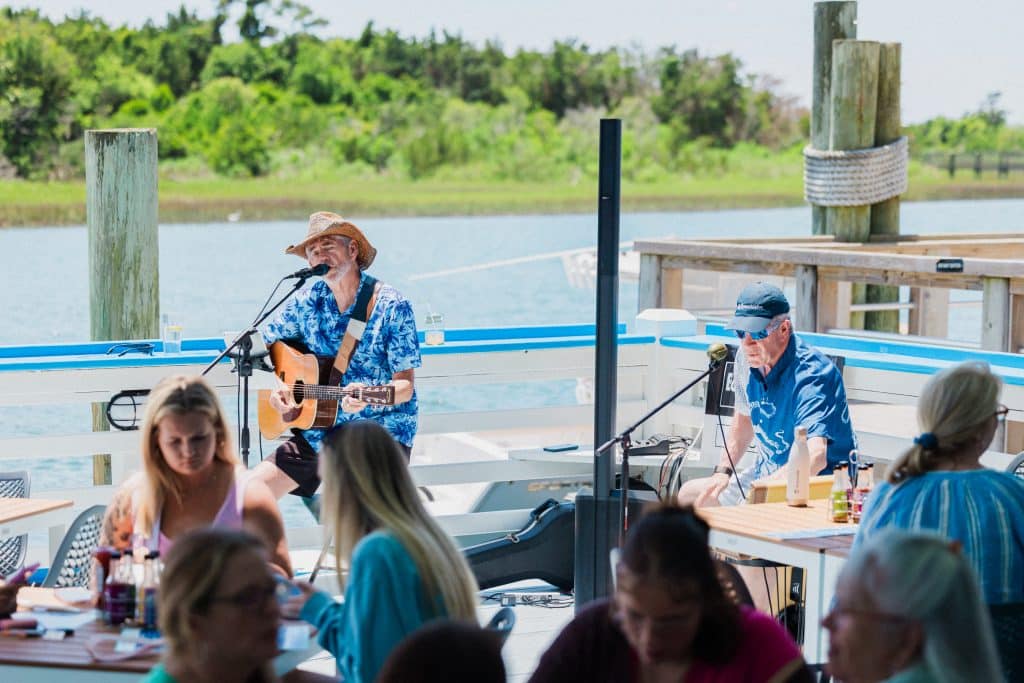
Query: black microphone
x,y
320,269
717,353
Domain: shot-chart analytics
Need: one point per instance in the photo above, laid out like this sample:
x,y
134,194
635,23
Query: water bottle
x,y
798,470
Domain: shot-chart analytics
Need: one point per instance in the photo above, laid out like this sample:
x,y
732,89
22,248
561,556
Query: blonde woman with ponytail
x,y
190,478
939,484
403,569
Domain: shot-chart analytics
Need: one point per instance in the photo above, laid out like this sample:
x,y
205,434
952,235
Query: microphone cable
x,y
725,447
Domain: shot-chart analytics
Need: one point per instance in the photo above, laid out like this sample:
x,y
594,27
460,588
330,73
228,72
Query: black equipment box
x,y
592,577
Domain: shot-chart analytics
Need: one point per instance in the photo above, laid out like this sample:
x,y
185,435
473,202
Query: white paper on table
x,y
59,619
813,533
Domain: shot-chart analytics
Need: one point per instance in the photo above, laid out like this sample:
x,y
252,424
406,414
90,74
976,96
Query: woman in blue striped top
x,y
941,485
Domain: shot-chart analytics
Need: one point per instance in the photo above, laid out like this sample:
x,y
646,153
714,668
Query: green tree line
x,y
282,98
375,103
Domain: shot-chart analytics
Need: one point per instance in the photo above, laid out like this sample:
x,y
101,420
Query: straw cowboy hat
x,y
324,223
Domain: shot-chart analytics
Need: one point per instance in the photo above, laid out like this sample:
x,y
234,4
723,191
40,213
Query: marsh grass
x,y
200,197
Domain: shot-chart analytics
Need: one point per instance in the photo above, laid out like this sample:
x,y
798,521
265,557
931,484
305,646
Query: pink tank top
x,y
228,517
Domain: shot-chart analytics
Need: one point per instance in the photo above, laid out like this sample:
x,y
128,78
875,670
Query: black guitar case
x,y
543,549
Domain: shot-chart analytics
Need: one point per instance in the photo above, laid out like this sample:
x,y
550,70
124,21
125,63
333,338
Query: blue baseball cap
x,y
756,305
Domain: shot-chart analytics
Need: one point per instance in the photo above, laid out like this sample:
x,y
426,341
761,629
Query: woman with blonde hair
x,y
404,570
190,478
218,612
908,609
939,484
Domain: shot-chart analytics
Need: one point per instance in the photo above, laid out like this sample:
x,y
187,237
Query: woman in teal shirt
x,y
404,570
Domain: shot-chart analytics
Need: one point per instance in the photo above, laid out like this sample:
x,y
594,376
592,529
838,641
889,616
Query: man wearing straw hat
x,y
366,326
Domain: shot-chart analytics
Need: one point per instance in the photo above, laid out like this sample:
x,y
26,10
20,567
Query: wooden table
x,y
22,515
766,531
35,659
31,660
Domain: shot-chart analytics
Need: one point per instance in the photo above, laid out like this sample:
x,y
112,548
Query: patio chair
x,y
12,550
1008,627
502,622
72,566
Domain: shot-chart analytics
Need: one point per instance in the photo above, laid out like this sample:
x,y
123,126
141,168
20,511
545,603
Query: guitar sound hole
x,y
300,393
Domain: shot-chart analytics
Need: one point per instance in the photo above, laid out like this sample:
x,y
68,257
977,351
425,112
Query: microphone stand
x,y
244,365
624,440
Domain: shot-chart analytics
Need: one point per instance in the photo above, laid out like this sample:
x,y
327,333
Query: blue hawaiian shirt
x,y
804,388
389,345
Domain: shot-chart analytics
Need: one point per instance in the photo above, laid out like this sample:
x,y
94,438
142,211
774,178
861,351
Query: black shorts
x,y
296,458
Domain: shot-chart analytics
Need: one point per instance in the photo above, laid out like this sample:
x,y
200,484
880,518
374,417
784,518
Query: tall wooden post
x,y
121,211
832,21
854,103
885,216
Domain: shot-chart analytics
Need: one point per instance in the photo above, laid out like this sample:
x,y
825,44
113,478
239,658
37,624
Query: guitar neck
x,y
323,392
377,395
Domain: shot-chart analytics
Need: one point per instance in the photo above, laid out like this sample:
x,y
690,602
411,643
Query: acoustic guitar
x,y
318,403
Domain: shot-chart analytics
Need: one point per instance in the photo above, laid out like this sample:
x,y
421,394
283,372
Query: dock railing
x,y
824,271
665,353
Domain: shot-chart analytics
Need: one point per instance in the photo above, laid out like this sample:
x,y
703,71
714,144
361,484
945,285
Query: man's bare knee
x,y
274,477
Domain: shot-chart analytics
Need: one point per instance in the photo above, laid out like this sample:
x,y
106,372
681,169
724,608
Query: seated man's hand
x,y
717,483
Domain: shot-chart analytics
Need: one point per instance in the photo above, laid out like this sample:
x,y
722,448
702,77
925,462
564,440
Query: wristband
x,y
727,471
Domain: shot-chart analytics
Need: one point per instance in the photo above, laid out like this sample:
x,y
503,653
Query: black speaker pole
x,y
606,367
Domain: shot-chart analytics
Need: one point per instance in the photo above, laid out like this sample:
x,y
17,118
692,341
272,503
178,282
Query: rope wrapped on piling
x,y
856,177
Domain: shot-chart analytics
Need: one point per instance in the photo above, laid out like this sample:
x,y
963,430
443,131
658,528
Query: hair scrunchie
x,y
927,441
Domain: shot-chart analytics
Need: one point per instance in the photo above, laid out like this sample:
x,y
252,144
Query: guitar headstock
x,y
377,395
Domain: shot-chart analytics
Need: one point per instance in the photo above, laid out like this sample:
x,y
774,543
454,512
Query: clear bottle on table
x,y
119,592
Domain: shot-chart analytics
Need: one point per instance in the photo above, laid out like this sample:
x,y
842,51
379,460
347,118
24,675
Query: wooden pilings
x,y
121,210
854,104
832,21
885,216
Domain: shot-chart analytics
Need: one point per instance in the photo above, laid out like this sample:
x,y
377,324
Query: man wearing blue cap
x,y
780,383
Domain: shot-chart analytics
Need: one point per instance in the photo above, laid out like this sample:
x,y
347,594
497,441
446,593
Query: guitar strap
x,y
366,299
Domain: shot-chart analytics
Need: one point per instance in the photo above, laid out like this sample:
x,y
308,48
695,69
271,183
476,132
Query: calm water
x,y
218,275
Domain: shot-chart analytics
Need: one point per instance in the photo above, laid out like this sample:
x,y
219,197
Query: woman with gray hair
x,y
908,609
939,484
